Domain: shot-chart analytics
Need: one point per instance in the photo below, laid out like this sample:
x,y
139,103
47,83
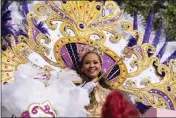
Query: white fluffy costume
x,y
40,57
61,95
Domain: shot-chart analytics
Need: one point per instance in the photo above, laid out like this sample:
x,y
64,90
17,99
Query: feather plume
x,y
40,26
148,28
132,41
157,37
161,52
4,6
5,26
21,32
25,10
135,25
6,29
172,56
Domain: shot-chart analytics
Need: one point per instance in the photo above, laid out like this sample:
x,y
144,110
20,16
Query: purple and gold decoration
x,y
57,30
39,110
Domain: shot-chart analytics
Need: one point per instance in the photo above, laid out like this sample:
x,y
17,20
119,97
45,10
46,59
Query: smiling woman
x,y
91,65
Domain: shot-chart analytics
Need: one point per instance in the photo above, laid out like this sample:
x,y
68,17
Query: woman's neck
x,y
95,79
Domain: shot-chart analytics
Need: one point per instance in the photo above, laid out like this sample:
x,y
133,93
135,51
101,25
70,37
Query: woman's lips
x,y
91,70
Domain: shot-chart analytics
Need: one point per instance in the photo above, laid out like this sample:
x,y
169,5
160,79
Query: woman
x,y
91,65
117,106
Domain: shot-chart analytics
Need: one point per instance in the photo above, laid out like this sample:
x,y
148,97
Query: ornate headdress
x,y
90,48
81,23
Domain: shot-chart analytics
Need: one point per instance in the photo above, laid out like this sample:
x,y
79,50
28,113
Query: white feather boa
x,y
65,98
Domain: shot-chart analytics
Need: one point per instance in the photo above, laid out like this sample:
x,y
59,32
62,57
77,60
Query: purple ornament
x,y
98,7
168,88
81,26
64,1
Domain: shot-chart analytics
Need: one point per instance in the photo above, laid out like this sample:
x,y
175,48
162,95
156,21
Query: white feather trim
x,y
66,98
17,18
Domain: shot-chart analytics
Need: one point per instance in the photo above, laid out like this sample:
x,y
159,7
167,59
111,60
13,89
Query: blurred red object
x,y
117,105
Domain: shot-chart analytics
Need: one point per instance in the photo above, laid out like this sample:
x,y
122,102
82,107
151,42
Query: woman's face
x,y
91,65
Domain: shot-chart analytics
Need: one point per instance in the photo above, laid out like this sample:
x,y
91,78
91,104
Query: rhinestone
x,y
168,88
64,1
81,26
98,7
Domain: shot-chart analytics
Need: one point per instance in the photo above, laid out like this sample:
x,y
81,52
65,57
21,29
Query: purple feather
x,y
157,37
21,32
132,41
172,56
40,27
161,52
4,6
135,26
148,28
5,18
25,10
6,27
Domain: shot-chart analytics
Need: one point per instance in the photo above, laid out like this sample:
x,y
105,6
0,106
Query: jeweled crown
x,y
90,48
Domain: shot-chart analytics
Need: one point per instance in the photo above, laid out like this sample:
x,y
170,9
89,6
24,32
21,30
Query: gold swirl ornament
x,y
12,58
161,94
85,18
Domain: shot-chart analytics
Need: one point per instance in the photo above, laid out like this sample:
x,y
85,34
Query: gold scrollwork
x,y
81,21
11,58
143,61
65,26
126,25
101,35
136,33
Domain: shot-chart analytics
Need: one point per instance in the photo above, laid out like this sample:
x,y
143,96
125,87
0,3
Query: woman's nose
x,y
91,64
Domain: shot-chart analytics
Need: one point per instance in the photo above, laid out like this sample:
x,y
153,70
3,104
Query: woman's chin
x,y
92,77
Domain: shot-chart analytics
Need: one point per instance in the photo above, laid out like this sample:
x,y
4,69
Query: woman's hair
x,y
117,105
84,77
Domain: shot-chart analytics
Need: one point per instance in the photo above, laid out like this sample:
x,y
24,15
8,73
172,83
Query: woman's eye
x,y
87,62
95,62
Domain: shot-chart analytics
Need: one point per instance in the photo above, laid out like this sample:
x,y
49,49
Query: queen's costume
x,y
41,54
